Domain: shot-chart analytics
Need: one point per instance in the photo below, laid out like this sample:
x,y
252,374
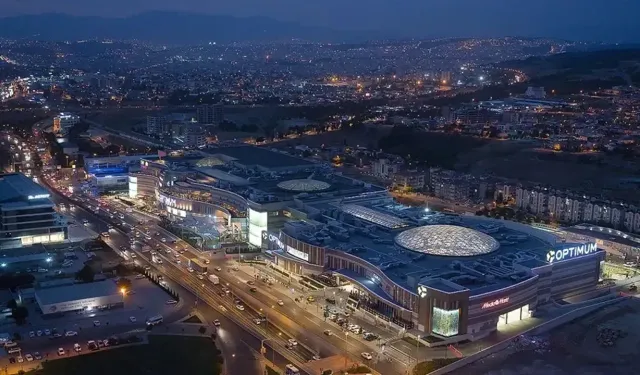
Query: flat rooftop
x,y
16,187
76,292
606,234
250,156
376,242
284,186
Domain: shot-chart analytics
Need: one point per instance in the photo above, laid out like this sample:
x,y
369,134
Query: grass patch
x,y
163,355
192,319
271,371
413,342
426,367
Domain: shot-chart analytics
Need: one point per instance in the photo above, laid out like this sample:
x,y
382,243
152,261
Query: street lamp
x,y
346,342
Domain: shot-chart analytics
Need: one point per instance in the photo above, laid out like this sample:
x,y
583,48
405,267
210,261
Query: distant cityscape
x,y
388,207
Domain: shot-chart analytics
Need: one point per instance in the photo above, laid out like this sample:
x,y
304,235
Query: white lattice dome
x,y
447,240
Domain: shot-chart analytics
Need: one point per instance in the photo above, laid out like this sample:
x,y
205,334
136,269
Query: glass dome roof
x,y
447,240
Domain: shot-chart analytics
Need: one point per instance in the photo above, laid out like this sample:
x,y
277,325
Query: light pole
x,y
263,351
198,297
346,345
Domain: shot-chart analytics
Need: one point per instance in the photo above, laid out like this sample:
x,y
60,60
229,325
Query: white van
x,y
14,350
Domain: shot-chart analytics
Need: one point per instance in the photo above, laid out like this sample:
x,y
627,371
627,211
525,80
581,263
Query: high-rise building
x,y
28,214
64,121
210,114
157,125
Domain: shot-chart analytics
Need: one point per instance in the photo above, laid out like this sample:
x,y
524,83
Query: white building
x,y
79,297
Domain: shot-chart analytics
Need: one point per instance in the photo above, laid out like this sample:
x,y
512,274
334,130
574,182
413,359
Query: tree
x,y
124,283
86,274
19,314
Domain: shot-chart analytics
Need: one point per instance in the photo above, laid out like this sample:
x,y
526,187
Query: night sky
x,y
609,20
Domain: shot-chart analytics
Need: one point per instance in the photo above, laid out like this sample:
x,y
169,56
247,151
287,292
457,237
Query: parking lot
x,y
146,299
44,335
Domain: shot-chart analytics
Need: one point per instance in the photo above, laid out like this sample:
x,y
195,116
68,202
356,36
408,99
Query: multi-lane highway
x,y
238,331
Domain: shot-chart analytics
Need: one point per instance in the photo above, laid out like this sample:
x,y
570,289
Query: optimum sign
x,y
571,252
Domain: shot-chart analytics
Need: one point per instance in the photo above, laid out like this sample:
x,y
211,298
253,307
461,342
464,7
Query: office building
x,y
28,214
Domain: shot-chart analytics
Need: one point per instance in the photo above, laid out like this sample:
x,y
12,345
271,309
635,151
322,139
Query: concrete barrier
x,y
544,327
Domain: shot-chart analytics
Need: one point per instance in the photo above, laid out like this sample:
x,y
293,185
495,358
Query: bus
x,y
154,320
291,370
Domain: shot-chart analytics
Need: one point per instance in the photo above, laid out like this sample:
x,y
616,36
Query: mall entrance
x,y
513,316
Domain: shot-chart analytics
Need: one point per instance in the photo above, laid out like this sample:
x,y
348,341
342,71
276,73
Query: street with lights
x,y
280,325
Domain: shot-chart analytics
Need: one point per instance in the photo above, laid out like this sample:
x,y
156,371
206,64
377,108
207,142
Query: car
x,y
316,357
366,356
289,346
218,269
251,282
56,335
105,342
163,239
96,323
292,342
201,276
77,348
100,343
328,332
37,356
191,270
92,345
132,319
253,290
257,321
171,302
20,359
28,357
240,307
280,302
32,334
61,352
216,323
47,332
39,333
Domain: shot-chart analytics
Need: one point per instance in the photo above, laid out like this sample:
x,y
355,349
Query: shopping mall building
x,y
249,187
452,277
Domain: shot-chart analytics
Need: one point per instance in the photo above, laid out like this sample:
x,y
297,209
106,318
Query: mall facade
x,y
454,278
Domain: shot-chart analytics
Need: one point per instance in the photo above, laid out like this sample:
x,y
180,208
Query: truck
x,y
214,279
197,265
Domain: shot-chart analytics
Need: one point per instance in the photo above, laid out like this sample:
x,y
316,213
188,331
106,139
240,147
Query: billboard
x,y
257,225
